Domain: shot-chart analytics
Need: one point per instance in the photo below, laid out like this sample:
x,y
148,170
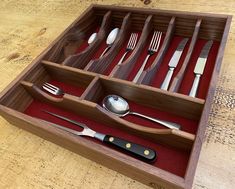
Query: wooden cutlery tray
x,y
74,66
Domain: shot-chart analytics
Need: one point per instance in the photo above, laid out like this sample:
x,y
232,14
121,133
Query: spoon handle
x,y
105,50
167,124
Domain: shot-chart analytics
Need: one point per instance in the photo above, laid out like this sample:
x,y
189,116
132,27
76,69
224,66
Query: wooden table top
x,y
27,161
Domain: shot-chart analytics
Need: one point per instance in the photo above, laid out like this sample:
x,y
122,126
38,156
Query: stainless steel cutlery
x,y
173,63
199,68
130,46
137,150
119,106
52,89
153,47
110,40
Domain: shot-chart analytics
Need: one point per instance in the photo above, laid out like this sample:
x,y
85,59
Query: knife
x,y
173,63
199,68
139,151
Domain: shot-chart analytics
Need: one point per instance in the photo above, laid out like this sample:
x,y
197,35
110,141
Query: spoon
x,y
110,39
119,106
92,38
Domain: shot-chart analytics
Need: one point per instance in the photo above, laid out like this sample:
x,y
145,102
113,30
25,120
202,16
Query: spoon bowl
x,y
120,107
116,105
110,39
92,38
112,36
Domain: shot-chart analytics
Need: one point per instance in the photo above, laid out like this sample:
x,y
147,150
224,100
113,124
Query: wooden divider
x,y
123,70
174,87
147,75
81,59
99,65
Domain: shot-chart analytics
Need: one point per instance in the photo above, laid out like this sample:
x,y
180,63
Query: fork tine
x,y
48,86
158,41
155,41
135,40
160,37
152,40
129,42
52,86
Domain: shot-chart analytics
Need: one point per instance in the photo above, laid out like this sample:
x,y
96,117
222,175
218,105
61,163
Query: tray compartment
x,y
182,140
100,64
81,111
82,55
76,36
129,68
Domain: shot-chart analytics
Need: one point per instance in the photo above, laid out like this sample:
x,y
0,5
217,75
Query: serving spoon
x,y
110,39
120,107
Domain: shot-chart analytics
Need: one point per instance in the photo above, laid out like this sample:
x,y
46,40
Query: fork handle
x,y
137,76
139,151
123,56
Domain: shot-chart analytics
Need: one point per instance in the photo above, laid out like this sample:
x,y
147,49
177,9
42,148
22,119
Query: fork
x,y
52,89
130,46
139,151
153,47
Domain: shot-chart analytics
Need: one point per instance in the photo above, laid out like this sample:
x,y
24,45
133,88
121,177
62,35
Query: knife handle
x,y
167,79
137,150
193,90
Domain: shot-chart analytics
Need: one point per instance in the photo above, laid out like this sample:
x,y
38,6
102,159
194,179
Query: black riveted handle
x,y
139,151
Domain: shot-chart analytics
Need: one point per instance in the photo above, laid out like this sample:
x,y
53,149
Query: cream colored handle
x,y
167,79
193,90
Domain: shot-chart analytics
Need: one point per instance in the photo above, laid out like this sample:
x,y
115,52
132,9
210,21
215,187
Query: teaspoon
x,y
120,107
92,38
110,39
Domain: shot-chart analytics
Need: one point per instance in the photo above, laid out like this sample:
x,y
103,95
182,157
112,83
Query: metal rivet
x,y
111,139
146,152
128,145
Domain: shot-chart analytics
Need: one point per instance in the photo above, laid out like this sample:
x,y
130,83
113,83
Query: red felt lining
x,y
189,74
169,158
142,57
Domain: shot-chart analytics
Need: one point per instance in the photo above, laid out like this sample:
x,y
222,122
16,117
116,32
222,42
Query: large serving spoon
x,y
92,38
110,39
120,107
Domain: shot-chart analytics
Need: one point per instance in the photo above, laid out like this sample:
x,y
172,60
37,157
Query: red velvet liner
x,y
169,159
67,88
163,69
142,57
206,77
120,54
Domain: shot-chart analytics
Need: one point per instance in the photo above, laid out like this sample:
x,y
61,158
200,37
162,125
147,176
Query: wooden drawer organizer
x,y
76,68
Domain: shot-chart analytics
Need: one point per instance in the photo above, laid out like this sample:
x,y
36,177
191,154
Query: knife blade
x,y
199,68
173,63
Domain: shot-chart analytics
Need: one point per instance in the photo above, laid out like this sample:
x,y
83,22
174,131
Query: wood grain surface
x,y
27,161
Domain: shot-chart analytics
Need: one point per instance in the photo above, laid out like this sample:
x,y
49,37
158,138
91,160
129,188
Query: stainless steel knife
x,y
173,63
199,68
